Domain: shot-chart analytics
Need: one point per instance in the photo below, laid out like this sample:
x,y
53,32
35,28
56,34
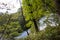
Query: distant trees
x,y
9,27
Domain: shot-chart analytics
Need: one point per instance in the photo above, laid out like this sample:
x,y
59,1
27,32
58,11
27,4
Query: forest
x,y
40,19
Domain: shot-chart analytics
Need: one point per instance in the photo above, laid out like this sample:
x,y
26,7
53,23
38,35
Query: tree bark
x,y
36,26
57,2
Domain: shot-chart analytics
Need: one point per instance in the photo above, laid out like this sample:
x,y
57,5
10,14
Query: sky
x,y
9,5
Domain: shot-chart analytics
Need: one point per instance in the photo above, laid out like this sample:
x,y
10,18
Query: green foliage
x,y
50,33
34,9
9,26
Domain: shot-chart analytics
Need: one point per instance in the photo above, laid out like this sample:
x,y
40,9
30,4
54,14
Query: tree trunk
x,y
57,2
35,24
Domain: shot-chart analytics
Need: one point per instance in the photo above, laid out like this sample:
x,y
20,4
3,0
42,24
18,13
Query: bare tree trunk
x,y
22,21
57,2
36,26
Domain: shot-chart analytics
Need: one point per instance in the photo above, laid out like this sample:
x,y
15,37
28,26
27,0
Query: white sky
x,y
11,5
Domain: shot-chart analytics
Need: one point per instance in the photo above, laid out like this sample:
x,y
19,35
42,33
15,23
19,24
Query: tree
x,y
50,33
57,2
35,9
22,20
30,12
9,27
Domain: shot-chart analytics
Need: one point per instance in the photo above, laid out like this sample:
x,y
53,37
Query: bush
x,y
50,33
